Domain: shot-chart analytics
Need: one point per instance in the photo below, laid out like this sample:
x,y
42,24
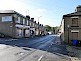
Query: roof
x,y
10,12
73,14
79,6
7,11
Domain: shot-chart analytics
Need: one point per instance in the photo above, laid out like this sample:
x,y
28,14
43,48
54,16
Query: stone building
x,y
71,26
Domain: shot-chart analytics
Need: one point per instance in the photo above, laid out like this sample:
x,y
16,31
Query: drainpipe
x,y
68,33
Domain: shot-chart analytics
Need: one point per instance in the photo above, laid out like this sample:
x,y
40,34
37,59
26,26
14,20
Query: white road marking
x,y
21,54
40,58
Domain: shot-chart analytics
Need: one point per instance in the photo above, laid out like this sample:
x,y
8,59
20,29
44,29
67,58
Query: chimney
x,y
28,17
38,23
78,8
42,25
35,21
32,19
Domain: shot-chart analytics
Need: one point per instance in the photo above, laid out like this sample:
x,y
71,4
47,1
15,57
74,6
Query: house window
x,y
75,22
30,23
27,22
6,18
33,24
23,21
18,21
19,32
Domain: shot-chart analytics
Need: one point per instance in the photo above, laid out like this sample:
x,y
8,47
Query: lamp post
x,y
27,12
68,33
38,18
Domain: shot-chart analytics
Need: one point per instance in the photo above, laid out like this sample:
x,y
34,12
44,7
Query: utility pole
x,y
27,12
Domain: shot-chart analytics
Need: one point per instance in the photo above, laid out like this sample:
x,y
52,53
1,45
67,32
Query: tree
x,y
48,28
57,28
53,29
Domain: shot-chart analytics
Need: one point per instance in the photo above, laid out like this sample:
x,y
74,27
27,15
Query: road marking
x,y
21,53
40,58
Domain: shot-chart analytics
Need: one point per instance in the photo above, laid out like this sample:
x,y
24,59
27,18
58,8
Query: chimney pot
x,y
28,17
78,8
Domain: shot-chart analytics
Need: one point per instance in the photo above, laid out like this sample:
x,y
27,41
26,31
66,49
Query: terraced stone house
x,y
13,24
71,26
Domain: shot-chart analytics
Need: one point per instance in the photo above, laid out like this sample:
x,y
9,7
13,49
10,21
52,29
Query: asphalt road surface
x,y
33,49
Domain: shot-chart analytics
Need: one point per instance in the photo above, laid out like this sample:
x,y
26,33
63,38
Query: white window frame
x,y
74,30
27,22
6,18
75,17
23,20
18,21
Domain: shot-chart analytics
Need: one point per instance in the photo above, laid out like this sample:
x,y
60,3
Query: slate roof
x,y
73,14
10,12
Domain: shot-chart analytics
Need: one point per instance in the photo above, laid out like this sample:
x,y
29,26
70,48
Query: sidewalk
x,y
74,52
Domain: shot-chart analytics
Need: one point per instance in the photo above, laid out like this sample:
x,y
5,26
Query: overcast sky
x,y
50,10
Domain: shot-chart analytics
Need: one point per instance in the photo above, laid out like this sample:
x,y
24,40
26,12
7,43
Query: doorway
x,y
75,35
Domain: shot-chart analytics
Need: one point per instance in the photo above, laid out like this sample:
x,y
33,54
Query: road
x,y
33,49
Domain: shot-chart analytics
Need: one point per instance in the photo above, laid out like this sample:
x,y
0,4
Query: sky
x,y
49,11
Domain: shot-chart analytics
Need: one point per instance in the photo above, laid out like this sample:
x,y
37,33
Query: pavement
x,y
74,51
46,48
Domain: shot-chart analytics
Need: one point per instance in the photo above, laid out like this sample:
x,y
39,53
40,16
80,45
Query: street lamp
x,y
68,33
38,18
27,12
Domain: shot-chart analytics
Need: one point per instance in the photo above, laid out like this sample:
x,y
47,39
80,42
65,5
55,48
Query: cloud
x,y
41,10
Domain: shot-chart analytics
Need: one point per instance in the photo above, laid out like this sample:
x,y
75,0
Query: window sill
x,y
19,23
74,26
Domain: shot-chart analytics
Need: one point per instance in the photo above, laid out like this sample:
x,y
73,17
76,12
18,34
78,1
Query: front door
x,y
24,32
75,35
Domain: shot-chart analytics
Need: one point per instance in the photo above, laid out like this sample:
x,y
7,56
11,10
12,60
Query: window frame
x,y
75,23
6,18
23,20
18,20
